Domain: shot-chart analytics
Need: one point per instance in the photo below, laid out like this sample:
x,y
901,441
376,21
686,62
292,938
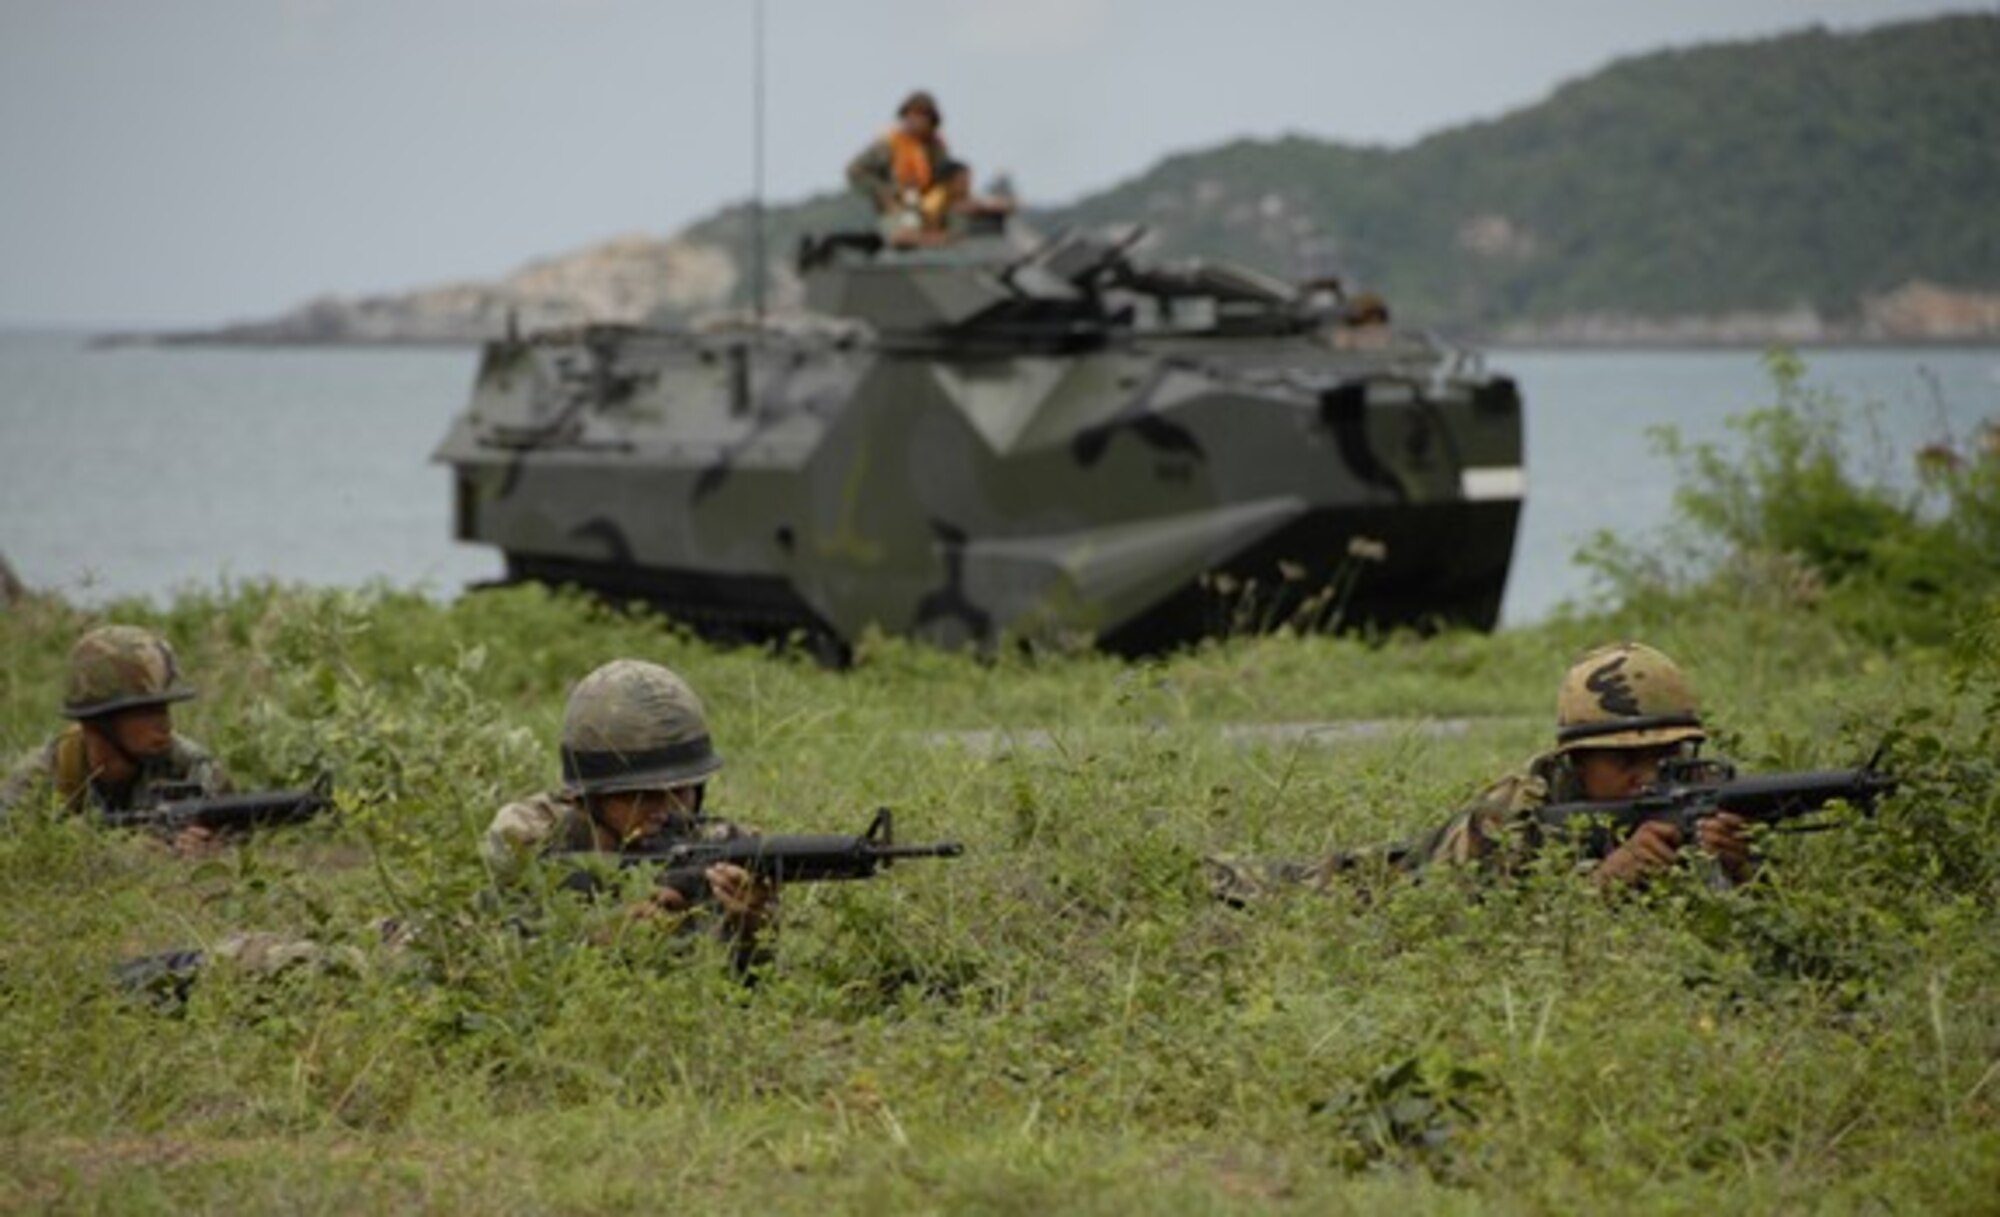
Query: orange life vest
x,y
910,159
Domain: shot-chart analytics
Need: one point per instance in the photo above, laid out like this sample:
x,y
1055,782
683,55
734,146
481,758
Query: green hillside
x,y
1814,168
1811,187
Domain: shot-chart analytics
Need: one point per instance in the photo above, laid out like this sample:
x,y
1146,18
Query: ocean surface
x,y
135,471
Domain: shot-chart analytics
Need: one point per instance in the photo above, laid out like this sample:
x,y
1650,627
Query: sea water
x,y
134,471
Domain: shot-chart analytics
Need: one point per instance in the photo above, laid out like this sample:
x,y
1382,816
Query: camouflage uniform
x,y
186,767
1622,696
555,822
112,669
919,173
1498,829
164,980
872,172
630,727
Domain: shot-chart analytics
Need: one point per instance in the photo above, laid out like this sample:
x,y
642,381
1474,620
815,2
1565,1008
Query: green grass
x,y
1061,1020
1058,1021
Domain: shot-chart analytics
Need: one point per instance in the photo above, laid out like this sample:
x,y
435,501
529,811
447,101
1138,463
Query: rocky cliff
x,y
630,279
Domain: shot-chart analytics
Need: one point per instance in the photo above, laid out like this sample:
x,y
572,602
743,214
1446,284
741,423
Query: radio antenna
x,y
757,167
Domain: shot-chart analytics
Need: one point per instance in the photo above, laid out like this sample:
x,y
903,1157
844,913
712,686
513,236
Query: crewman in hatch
x,y
917,188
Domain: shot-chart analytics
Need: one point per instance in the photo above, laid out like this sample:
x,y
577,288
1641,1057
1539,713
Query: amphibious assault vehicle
x,y
1060,442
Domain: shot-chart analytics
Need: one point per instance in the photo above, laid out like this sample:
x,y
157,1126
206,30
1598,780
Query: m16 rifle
x,y
186,807
1690,791
787,858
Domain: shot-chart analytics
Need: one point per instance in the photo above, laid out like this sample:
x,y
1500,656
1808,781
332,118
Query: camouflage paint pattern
x,y
32,782
1495,831
1622,695
1626,695
119,667
1059,443
555,822
633,725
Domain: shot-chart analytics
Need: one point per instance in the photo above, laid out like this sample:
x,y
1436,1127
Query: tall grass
x,y
1061,1020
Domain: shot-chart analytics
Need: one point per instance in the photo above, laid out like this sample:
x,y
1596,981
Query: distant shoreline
x,y
98,340
1636,347
120,341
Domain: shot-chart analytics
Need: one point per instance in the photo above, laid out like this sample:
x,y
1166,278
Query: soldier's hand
x,y
194,841
1650,849
661,906
745,899
1726,835
664,901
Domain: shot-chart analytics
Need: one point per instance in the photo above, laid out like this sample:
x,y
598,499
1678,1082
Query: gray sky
x,y
188,161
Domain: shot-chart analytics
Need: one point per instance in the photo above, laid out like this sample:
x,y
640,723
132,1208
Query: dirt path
x,y
1330,733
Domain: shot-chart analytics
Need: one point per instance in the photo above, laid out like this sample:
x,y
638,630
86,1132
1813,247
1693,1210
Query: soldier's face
x,y
1619,773
917,121
638,813
145,732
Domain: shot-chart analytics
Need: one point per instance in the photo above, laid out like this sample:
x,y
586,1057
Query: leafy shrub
x,y
1789,517
1059,1019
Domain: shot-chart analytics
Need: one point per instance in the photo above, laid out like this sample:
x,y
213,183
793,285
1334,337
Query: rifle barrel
x,y
1769,798
255,809
943,849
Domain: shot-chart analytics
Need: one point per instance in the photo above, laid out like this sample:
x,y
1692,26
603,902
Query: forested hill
x,y
1815,186
1817,169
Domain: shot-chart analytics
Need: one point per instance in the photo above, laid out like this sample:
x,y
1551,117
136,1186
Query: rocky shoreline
x,y
628,280
646,280
675,281
419,321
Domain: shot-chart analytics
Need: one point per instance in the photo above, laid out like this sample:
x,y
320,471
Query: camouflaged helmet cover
x,y
120,667
633,725
1626,695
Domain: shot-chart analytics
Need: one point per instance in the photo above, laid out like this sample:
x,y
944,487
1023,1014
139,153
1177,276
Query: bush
x,y
1788,517
1059,1020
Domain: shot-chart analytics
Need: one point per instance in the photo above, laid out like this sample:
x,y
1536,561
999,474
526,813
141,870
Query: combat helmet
x,y
633,725
120,667
1626,695
924,100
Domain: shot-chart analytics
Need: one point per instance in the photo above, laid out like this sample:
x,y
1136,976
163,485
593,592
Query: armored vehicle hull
x,y
976,443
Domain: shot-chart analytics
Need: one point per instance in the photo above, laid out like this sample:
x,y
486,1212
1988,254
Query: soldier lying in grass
x,y
636,760
1623,713
120,752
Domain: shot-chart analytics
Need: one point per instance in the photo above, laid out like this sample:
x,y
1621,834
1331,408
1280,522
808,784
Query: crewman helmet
x,y
121,667
632,725
922,100
1626,695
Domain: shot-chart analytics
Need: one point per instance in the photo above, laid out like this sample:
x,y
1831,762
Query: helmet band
x,y
1582,731
580,766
